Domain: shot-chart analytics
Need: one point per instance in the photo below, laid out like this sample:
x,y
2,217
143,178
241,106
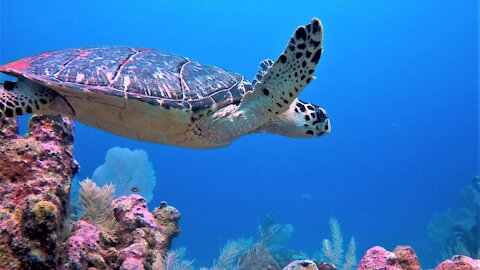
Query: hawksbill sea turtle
x,y
156,96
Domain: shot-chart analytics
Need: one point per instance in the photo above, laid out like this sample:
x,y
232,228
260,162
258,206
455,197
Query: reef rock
x,y
402,258
143,238
83,247
35,174
459,262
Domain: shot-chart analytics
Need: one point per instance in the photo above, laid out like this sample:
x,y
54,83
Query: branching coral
x,y
332,250
130,171
96,203
174,260
269,251
272,234
350,258
258,257
231,253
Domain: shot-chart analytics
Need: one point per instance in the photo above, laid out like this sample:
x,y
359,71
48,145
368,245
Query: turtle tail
x,y
25,97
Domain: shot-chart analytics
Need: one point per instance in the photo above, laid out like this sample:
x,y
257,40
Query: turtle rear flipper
x,y
291,72
24,97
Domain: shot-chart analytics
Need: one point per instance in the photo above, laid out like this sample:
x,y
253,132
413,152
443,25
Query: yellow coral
x,y
45,212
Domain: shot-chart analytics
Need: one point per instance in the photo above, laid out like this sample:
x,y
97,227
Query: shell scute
x,y
202,104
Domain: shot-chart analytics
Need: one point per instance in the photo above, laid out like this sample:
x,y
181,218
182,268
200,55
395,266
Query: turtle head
x,y
301,120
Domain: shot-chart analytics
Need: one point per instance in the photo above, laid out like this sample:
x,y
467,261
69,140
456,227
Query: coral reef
x,y
402,258
121,234
266,252
130,172
143,238
459,263
35,174
83,248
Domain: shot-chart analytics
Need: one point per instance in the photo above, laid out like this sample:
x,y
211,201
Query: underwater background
x,y
399,81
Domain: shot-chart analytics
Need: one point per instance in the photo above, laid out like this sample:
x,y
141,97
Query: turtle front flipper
x,y
291,72
262,69
25,97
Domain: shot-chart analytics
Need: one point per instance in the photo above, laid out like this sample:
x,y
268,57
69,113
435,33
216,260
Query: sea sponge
x,y
45,213
130,172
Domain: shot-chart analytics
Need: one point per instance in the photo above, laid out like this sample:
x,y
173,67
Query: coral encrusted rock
x,y
35,174
402,258
143,238
459,262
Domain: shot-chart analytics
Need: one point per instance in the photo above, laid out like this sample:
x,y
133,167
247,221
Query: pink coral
x,y
132,211
459,262
83,247
143,238
35,174
403,258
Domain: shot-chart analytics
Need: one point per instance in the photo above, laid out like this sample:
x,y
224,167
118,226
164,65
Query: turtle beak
x,y
327,126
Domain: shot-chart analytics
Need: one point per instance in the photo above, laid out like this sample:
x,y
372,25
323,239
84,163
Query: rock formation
x,y
35,174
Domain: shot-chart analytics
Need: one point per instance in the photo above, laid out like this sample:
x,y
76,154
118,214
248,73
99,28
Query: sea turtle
x,y
160,97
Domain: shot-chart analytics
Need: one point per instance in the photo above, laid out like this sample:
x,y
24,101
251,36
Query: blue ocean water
x,y
398,79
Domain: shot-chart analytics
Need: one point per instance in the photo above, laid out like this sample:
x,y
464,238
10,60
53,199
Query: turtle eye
x,y
8,85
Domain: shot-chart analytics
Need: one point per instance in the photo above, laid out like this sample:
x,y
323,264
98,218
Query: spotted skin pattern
x,y
292,71
315,117
16,102
316,120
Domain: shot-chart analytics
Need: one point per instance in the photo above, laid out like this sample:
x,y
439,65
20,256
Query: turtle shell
x,y
150,76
